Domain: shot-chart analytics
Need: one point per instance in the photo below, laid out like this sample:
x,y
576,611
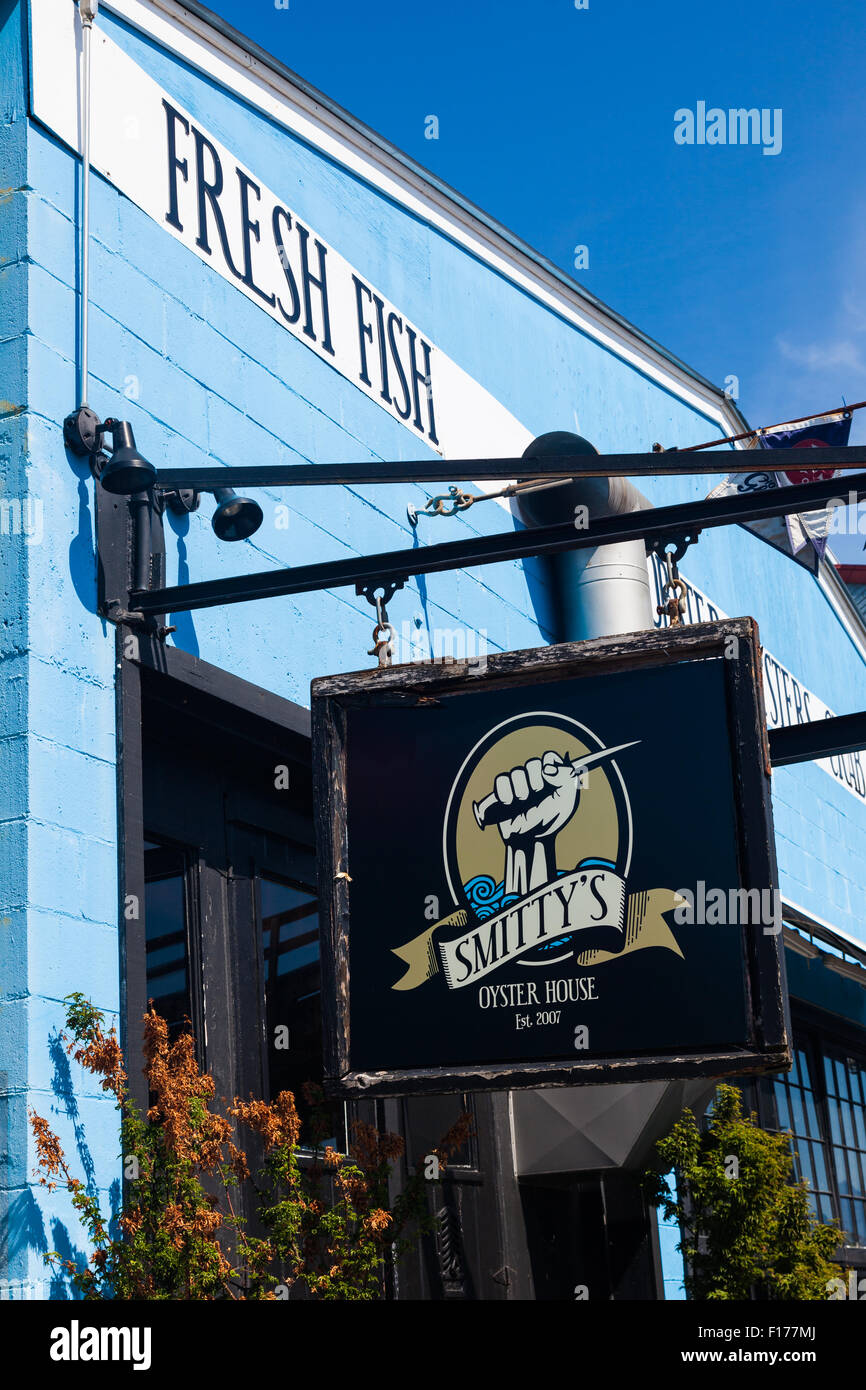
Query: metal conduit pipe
x,y
88,10
601,592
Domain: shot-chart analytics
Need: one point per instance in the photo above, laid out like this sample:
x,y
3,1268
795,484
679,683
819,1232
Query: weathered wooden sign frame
x,y
732,646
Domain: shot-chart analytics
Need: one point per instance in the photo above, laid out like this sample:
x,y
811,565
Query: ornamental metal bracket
x,y
679,542
389,587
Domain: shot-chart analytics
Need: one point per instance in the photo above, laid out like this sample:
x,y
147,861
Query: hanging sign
x,y
556,867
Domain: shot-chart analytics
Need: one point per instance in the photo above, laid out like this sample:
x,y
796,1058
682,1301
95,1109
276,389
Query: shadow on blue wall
x,y
541,591
23,1229
421,581
185,636
541,588
25,1225
61,1085
63,1246
82,547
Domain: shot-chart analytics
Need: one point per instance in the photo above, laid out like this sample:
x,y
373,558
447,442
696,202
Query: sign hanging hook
x,y
674,587
383,632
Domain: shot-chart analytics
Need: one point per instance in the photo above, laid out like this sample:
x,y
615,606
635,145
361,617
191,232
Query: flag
x,y
822,432
818,433
801,536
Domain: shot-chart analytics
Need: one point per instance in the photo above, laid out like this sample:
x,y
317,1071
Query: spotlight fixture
x,y
127,471
235,517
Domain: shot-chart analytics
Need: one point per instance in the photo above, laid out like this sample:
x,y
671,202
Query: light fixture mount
x,y
82,432
180,501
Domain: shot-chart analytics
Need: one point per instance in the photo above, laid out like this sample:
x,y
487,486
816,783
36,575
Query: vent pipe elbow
x,y
599,592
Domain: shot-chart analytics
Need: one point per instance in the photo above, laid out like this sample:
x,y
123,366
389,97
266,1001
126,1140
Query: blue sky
x,y
560,123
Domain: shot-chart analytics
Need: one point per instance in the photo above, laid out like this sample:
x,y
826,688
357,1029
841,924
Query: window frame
x,y
190,873
183,681
820,1036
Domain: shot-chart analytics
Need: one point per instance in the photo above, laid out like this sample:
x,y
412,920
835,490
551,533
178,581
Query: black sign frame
x,y
332,697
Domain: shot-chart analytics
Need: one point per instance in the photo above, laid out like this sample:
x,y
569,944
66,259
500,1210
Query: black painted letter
x,y
174,164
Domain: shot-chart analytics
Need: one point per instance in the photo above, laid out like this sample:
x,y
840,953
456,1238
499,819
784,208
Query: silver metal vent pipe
x,y
601,592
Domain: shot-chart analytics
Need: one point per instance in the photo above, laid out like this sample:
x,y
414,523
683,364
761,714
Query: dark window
x,y
797,1109
822,1101
167,934
290,950
428,1119
290,946
846,1107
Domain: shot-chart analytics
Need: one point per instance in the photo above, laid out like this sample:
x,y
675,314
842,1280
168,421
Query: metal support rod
x,y
87,11
140,503
772,429
821,738
487,550
505,470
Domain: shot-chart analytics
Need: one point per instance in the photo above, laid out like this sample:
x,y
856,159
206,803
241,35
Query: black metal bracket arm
x,y
821,738
503,470
83,431
395,566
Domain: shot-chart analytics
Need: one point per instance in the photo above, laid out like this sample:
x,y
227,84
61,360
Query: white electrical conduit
x,y
87,10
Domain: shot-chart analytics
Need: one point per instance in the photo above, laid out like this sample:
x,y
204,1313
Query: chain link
x,y
382,648
676,588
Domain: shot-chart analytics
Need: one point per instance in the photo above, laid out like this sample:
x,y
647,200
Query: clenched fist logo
x,y
530,805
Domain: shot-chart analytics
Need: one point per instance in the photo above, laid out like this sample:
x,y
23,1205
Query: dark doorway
x,y
589,1238
218,848
231,929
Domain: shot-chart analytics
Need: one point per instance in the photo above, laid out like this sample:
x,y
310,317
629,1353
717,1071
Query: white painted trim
x,y
203,47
